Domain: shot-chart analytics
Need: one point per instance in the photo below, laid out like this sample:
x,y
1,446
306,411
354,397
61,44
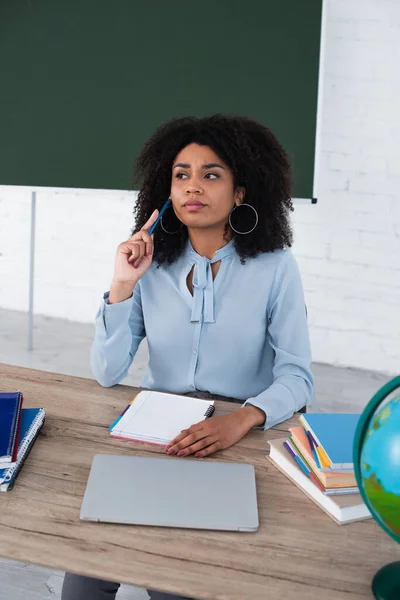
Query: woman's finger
x,y
140,236
143,237
128,247
150,222
183,442
148,240
187,440
135,253
209,450
138,251
181,436
200,445
178,438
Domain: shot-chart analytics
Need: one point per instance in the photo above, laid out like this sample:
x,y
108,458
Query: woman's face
x,y
202,188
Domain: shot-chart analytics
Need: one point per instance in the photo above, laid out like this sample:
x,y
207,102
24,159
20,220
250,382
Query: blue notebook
x,y
32,420
10,410
334,433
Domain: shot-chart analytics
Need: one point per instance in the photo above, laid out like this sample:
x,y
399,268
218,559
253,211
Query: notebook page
x,y
158,416
135,405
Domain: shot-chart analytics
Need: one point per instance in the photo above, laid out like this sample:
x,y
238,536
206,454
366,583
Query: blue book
x,y
334,434
10,410
32,420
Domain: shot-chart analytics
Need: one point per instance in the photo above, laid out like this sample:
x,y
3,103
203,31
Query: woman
x,y
215,290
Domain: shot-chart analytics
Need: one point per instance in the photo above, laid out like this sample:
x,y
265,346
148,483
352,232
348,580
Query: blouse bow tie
x,y
203,285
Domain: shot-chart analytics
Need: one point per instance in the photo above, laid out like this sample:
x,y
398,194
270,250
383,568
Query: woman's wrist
x,y
120,291
255,417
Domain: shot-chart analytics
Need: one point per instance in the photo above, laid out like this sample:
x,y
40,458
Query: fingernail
x,y
181,453
168,447
171,451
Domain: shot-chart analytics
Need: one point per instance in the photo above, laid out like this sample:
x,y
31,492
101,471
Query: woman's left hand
x,y
216,433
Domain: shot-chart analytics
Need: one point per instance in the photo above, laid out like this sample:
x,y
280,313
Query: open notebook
x,y
156,418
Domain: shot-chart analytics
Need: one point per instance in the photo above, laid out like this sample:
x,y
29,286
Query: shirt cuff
x,y
114,315
254,402
277,402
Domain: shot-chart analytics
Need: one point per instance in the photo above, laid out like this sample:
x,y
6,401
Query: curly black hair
x,y
258,162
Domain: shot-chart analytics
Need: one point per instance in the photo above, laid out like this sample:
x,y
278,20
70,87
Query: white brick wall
x,y
348,245
77,232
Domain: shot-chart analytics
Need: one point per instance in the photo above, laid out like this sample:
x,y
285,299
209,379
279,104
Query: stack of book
x,y
318,458
19,428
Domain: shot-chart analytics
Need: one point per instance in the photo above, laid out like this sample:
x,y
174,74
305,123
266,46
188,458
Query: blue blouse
x,y
243,335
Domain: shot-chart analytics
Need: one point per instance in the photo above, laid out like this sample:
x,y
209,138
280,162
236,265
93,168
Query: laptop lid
x,y
171,492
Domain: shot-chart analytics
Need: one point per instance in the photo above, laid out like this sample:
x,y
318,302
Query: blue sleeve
x,y
119,331
289,338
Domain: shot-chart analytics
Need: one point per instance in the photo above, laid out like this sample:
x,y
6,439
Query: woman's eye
x,y
181,176
212,176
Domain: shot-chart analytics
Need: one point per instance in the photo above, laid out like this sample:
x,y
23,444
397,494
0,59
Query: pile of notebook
x,y
318,458
19,428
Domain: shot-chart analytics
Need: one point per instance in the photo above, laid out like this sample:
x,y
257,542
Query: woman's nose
x,y
194,187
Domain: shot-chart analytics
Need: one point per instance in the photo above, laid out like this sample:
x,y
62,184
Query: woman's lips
x,y
194,206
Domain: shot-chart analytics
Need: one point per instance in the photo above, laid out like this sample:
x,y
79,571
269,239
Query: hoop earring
x,y
243,232
169,232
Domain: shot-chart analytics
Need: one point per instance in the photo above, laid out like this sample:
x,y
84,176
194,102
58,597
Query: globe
x,y
376,455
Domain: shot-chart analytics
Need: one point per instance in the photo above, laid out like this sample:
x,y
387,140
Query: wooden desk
x,y
298,553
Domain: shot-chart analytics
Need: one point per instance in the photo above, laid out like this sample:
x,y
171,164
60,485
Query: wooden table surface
x,y
298,553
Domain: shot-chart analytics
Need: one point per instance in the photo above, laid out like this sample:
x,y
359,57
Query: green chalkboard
x,y
85,82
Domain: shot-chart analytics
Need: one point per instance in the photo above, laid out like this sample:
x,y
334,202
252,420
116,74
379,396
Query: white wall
x,y
348,245
77,232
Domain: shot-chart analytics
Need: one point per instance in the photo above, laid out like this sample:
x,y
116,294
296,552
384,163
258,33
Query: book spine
x,y
18,430
14,427
36,424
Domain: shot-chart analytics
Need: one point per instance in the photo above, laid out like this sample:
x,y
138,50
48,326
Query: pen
x,y
162,211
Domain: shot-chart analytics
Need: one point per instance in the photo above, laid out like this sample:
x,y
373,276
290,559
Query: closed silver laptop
x,y
171,492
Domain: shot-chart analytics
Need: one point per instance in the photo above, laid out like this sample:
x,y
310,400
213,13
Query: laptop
x,y
171,492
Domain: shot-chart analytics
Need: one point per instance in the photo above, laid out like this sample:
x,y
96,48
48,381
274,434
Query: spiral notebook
x,y
156,418
31,420
10,411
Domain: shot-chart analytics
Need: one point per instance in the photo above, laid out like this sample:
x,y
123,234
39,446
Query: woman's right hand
x,y
133,259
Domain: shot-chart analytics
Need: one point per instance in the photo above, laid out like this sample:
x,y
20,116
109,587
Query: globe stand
x,y
386,583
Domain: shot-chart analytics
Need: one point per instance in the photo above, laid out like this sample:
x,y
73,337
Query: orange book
x,y
328,480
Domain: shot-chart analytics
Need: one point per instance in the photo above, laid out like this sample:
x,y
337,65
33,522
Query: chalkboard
x,y
84,83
